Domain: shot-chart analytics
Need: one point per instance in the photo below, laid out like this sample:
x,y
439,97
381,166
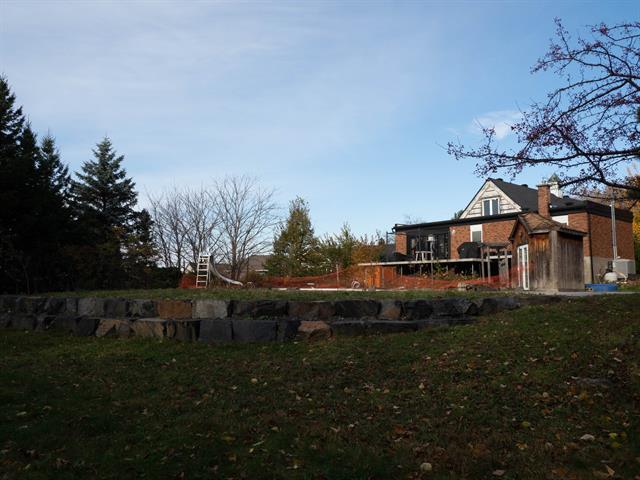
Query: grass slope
x,y
270,294
504,398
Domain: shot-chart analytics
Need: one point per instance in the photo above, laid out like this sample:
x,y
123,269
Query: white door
x,y
523,266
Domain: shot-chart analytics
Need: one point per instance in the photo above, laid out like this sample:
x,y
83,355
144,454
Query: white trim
x,y
561,219
490,200
523,266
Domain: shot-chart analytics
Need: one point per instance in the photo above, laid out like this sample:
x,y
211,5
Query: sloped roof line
x,y
534,224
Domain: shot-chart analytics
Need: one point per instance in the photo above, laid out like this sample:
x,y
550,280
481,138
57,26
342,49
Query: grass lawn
x,y
266,293
545,392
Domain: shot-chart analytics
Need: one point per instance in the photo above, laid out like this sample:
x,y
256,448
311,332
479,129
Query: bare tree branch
x,y
590,126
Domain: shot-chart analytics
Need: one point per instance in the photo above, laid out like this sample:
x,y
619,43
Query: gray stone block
x,y
211,309
149,327
44,322
351,327
114,327
309,311
417,309
314,330
215,330
80,326
183,330
91,307
259,308
498,304
288,329
55,306
453,307
86,326
143,308
71,306
247,330
30,305
64,323
24,322
116,308
390,310
356,308
8,303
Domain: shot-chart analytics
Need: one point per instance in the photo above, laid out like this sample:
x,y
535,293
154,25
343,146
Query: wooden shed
x,y
548,255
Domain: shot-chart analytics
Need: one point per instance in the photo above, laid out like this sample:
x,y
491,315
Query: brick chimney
x,y
544,198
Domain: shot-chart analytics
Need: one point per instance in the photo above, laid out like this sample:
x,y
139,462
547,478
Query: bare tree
x,y
201,220
169,227
247,216
589,126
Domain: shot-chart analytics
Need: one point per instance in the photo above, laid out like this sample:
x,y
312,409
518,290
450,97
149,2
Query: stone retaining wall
x,y
218,321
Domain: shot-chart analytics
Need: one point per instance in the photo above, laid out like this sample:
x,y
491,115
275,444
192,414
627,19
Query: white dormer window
x,y
491,206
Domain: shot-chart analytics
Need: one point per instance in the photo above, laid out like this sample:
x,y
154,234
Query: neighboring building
x,y
255,266
491,215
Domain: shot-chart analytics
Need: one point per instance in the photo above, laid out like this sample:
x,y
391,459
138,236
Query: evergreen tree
x,y
11,125
337,250
141,254
295,247
53,174
104,198
103,193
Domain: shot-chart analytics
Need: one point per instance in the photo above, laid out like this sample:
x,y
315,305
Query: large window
x,y
476,233
491,206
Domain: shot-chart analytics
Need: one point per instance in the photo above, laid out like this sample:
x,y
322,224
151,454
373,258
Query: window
x,y
491,206
476,233
561,219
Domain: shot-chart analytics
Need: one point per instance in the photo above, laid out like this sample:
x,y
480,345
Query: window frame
x,y
491,200
473,229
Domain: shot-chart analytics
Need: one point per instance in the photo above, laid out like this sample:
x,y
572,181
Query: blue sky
x,y
347,104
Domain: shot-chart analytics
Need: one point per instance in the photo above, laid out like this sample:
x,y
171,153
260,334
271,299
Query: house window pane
x,y
476,233
495,206
486,207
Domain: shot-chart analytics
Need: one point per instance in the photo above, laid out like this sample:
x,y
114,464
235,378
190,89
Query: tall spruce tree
x,y
295,246
141,253
33,219
104,198
53,174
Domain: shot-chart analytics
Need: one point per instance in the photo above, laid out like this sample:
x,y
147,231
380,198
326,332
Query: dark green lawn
x,y
269,294
508,396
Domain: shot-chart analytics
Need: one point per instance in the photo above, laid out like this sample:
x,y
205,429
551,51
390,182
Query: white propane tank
x,y
610,277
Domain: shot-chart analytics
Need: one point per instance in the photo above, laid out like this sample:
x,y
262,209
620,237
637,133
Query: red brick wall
x,y
401,243
497,231
458,234
580,221
601,237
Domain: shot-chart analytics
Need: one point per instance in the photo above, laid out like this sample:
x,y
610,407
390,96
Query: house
x,y
491,216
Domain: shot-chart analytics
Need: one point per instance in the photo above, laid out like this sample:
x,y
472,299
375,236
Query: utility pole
x,y
614,239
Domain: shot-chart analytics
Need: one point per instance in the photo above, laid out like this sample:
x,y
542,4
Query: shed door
x,y
523,266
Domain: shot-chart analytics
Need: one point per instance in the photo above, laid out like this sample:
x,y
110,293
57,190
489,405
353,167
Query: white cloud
x,y
500,120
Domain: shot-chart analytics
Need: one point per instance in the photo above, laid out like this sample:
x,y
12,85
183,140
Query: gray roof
x,y
527,197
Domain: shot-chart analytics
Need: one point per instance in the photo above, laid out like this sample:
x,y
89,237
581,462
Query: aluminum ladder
x,y
202,271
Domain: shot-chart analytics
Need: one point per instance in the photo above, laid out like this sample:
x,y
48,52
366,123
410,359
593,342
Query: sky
x,y
346,104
